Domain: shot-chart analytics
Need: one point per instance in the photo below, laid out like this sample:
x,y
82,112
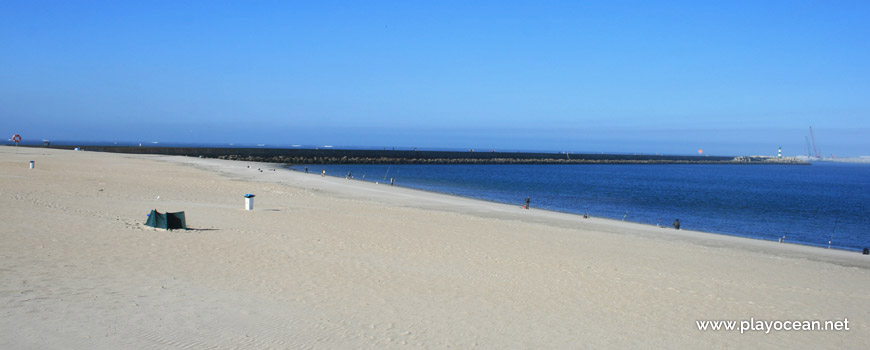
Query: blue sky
x,y
613,76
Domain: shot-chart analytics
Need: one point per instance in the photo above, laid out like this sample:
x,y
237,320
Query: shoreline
x,y
580,215
323,262
495,209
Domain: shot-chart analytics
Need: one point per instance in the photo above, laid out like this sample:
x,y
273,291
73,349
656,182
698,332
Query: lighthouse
x,y
779,154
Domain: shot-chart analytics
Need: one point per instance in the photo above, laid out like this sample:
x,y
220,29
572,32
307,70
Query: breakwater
x,y
342,156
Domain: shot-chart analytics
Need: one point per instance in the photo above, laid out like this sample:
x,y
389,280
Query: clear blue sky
x,y
614,76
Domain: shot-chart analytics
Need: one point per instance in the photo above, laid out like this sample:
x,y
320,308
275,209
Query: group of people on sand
x,y
586,216
350,176
525,205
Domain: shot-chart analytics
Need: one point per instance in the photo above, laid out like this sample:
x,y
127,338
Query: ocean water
x,y
809,205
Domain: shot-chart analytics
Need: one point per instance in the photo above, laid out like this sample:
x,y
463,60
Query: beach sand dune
x,y
334,263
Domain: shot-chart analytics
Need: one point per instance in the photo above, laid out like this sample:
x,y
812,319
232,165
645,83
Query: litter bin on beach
x,y
31,164
249,201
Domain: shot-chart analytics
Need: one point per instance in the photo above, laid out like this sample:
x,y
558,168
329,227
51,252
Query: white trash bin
x,y
31,164
249,201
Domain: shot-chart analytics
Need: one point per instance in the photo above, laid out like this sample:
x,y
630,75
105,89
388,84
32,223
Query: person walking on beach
x,y
306,170
392,181
323,172
528,199
677,224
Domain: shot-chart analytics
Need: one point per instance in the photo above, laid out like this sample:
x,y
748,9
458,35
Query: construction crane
x,y
815,149
807,138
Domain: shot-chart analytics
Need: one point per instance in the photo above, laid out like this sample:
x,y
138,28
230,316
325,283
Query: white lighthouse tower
x,y
779,154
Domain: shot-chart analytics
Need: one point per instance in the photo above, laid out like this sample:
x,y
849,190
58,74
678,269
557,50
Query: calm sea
x,y
809,205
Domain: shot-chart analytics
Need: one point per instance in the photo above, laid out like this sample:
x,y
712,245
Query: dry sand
x,y
335,264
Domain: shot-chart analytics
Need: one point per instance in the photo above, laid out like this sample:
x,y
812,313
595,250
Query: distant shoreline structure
x,y
344,156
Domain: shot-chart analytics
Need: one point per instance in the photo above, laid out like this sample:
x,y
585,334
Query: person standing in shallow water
x,y
526,206
677,224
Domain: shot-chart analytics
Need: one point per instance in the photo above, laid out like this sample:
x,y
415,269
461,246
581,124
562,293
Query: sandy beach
x,y
329,263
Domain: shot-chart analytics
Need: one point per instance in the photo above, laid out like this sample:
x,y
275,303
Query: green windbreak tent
x,y
169,221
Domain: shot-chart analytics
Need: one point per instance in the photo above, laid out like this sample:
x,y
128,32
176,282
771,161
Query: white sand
x,y
333,263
